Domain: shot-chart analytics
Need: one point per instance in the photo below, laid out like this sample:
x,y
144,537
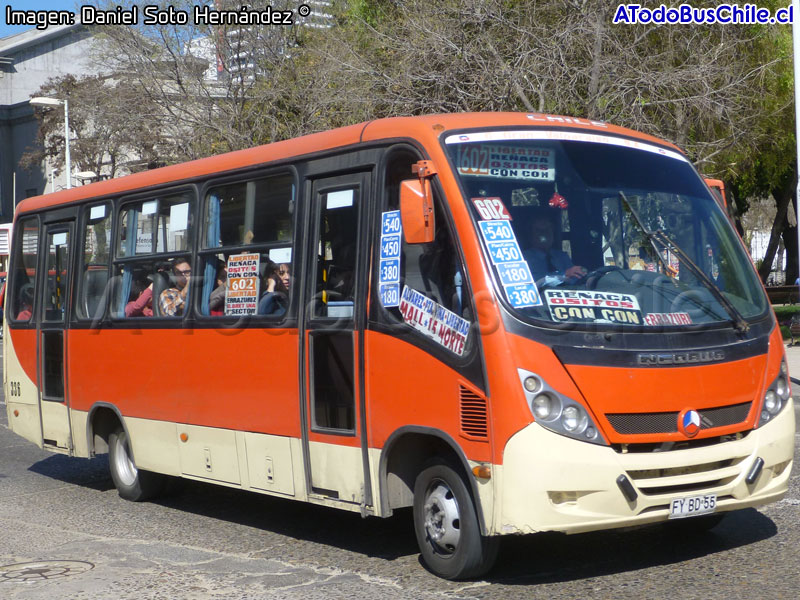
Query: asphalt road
x,y
65,533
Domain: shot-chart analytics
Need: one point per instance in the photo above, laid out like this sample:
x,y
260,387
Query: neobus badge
x,y
679,358
689,423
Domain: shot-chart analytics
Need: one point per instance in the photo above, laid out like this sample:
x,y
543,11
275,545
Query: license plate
x,y
681,508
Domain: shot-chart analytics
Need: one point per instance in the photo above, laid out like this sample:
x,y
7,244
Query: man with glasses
x,y
173,300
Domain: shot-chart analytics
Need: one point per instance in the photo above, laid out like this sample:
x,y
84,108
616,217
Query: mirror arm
x,y
425,169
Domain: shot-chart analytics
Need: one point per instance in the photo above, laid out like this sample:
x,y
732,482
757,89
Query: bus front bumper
x,y
549,482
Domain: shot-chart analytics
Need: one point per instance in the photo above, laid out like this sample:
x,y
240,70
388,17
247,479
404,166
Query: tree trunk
x,y
790,243
594,77
783,196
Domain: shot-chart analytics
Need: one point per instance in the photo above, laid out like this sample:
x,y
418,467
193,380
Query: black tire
x,y
131,483
446,525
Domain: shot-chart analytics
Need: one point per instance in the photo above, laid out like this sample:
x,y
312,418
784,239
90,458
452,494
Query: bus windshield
x,y
587,228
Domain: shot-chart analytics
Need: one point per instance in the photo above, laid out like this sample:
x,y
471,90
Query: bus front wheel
x,y
446,525
131,483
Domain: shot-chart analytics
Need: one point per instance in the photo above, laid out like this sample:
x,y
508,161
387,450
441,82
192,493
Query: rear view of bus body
x,y
512,322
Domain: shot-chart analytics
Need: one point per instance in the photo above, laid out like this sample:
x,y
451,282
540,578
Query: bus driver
x,y
543,259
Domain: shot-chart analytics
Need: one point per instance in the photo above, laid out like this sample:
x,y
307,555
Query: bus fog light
x,y
590,433
772,403
544,407
574,419
532,384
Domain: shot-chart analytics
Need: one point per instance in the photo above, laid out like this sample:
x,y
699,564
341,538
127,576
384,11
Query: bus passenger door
x,y
52,343
335,442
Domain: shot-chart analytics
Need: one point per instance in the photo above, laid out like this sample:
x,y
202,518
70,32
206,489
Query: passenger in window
x,y
25,302
142,304
216,302
545,260
276,299
172,301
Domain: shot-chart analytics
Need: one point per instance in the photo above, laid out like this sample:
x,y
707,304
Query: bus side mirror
x,y
718,191
416,211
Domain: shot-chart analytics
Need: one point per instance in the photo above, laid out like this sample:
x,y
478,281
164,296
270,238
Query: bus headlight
x,y
776,396
574,419
557,412
782,388
532,384
771,402
545,407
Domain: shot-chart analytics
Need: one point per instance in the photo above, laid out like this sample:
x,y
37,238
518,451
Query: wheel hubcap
x,y
122,461
442,518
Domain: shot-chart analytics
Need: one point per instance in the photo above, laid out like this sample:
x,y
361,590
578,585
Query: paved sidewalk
x,y
793,360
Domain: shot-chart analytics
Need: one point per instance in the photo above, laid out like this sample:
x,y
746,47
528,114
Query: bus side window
x,y
94,282
26,248
248,230
155,235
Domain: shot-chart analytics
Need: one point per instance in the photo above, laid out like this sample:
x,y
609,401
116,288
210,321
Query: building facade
x,y
27,61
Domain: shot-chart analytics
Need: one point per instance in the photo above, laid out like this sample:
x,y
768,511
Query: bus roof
x,y
427,128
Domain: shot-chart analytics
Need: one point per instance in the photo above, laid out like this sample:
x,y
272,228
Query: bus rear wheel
x,y
132,483
446,525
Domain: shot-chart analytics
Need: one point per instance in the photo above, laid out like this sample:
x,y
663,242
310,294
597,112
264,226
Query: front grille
x,y
724,415
632,423
645,448
691,478
667,422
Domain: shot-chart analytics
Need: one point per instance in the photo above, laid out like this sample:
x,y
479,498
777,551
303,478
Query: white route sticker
x,y
507,162
444,327
593,306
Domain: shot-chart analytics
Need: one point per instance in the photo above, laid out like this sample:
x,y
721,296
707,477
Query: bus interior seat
x,y
161,281
95,285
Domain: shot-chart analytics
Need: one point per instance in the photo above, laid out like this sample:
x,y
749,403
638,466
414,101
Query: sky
x,y
6,30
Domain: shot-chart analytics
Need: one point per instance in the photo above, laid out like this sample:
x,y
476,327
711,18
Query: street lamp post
x,y
43,101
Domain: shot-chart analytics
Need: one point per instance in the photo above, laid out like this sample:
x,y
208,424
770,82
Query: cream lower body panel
x,y
549,482
251,461
24,414
25,420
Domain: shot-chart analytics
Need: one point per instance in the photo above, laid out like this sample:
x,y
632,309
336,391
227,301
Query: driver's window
x,y
430,275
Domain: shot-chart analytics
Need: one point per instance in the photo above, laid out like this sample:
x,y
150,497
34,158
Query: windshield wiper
x,y
662,238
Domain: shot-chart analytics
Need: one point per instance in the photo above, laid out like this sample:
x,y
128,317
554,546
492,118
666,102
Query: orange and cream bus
x,y
512,323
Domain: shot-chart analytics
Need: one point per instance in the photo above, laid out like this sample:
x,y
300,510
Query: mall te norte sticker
x,y
444,327
593,306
